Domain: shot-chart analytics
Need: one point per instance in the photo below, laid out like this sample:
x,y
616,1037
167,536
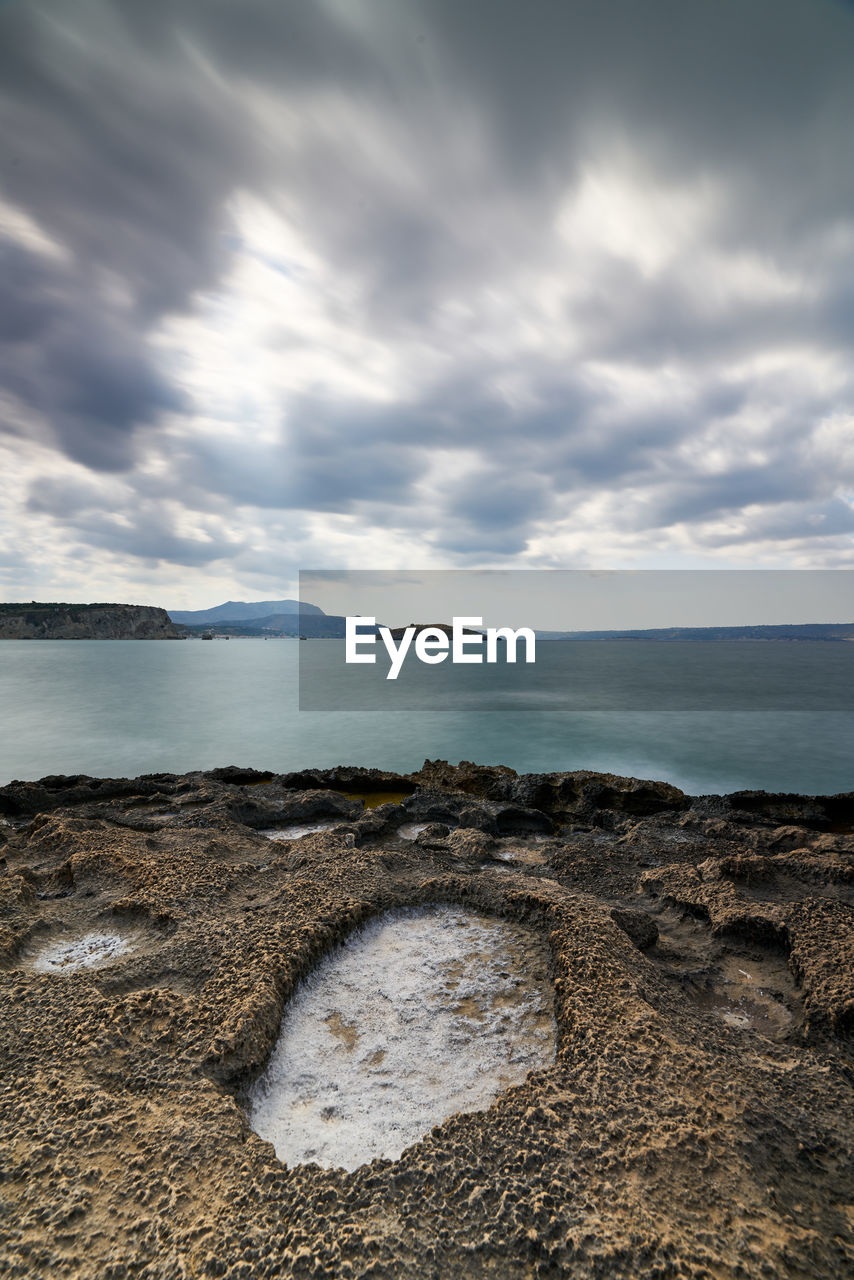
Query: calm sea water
x,y
123,707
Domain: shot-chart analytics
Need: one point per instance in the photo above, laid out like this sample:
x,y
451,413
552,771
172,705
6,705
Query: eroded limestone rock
x,y
696,1121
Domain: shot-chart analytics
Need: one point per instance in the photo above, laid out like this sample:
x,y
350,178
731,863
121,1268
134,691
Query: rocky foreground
x,y
698,1120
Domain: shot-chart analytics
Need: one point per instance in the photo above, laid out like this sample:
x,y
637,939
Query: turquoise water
x,y
124,707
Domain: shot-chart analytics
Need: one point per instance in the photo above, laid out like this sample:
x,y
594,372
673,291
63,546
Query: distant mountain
x,y
240,611
795,631
313,626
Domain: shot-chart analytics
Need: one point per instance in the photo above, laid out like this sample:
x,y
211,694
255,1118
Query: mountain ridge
x,y
241,611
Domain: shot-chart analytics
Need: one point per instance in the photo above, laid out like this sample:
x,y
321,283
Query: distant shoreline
x,y
43,621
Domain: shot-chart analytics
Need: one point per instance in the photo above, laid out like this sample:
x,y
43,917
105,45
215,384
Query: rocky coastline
x,y
697,1121
86,622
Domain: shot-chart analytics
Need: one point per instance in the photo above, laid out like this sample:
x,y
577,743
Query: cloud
x,y
293,281
84,371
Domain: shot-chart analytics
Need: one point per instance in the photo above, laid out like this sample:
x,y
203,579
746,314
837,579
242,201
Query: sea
x,y
120,708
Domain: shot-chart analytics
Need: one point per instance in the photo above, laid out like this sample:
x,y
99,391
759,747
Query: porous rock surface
x,y
698,1120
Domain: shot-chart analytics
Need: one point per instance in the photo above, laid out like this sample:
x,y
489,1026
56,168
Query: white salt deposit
x,y
296,831
409,830
88,952
521,855
419,1015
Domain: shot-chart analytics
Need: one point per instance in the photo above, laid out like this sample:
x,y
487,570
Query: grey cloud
x,y
124,158
803,522
27,295
149,537
89,373
126,161
128,116
470,542
423,148
65,497
701,498
627,316
611,447
724,86
327,459
493,499
109,515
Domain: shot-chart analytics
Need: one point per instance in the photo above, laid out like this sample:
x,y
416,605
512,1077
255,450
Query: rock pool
x,y
89,951
420,1014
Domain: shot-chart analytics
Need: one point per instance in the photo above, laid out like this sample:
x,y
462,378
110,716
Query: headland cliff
x,y
36,621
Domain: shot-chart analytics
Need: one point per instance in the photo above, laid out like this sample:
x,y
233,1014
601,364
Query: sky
x,y
421,284
587,599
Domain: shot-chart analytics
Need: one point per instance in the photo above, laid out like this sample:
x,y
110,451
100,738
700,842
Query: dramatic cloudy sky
x,y
427,283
